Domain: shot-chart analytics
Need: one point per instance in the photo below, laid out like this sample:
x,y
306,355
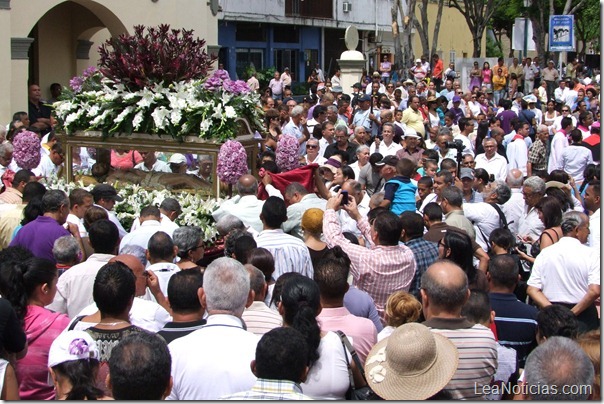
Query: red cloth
x,y
303,175
7,178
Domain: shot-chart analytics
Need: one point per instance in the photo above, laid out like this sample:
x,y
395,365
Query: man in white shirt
x,y
105,196
335,79
290,253
576,157
558,143
466,127
591,200
386,147
484,215
169,210
297,127
355,190
276,86
214,361
493,162
286,78
151,163
253,83
299,200
529,224
568,273
74,287
517,150
561,92
161,253
530,70
149,225
246,205
80,201
50,163
514,207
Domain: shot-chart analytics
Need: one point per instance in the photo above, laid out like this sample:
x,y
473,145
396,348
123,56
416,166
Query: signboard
x,y
561,33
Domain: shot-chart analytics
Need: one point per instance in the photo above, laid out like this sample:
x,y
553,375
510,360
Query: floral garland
x,y
207,108
231,162
195,210
27,150
287,156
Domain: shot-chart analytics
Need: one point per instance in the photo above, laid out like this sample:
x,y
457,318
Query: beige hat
x,y
557,184
333,163
413,363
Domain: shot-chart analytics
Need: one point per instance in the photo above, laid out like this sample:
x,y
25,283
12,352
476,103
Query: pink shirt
x,y
361,330
41,326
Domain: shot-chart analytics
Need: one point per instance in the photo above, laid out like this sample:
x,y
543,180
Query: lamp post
x,y
525,48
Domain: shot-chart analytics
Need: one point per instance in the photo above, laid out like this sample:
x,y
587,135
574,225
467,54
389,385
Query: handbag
x,y
354,393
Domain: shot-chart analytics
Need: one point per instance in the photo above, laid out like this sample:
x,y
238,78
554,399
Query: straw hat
x,y
333,163
411,364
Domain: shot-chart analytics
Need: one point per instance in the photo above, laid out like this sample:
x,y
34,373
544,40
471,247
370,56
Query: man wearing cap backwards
x,y
492,161
444,291
105,196
375,78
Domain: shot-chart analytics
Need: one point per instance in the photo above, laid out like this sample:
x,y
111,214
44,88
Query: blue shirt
x,y
39,237
516,323
400,191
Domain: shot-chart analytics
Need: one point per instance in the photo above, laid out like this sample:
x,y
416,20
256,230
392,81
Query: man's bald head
x,y
446,286
247,185
137,268
515,178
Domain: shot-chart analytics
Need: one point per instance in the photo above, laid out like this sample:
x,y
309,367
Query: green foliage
x,y
263,76
300,88
493,48
587,19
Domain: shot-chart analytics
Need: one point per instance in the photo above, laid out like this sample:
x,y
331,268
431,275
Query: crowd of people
x,y
433,242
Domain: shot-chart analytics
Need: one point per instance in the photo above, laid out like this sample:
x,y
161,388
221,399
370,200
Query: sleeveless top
x,y
549,121
486,76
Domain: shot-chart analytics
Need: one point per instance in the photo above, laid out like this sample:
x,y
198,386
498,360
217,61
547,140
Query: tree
x,y
587,21
403,55
422,28
502,22
477,13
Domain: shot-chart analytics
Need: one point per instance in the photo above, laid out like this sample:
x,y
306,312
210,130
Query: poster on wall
x,y
561,33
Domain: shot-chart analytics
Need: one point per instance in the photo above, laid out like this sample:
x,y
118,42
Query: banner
x,y
561,33
518,35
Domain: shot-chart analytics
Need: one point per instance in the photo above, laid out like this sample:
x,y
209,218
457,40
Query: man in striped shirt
x,y
290,253
444,291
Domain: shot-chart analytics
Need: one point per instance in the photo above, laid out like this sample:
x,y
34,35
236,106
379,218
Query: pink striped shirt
x,y
379,270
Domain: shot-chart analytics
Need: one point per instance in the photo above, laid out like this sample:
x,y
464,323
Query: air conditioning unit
x,y
372,38
347,6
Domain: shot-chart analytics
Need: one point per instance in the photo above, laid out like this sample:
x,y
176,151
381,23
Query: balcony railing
x,y
309,8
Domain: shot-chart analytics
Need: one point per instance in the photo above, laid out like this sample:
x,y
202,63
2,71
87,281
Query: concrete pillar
x,y
351,64
83,55
19,74
5,68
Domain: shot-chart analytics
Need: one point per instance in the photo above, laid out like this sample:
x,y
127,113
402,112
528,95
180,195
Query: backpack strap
x,y
77,320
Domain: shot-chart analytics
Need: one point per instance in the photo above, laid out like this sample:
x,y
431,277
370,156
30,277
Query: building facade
x,y
47,41
300,33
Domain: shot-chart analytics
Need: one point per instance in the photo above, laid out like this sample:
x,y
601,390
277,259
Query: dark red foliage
x,y
159,54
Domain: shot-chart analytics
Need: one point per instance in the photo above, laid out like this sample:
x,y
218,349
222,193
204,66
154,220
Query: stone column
x,y
19,74
351,64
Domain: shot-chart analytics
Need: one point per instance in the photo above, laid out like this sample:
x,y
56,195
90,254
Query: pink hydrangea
x,y
27,150
287,156
232,162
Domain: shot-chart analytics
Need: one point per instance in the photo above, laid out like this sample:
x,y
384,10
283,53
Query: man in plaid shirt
x,y
537,154
386,266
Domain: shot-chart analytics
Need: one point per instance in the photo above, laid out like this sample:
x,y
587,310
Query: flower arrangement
x,y
287,153
164,90
195,210
231,162
159,55
27,150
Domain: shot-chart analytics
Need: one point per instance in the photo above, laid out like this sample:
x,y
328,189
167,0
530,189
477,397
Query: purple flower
x,y
237,87
287,153
76,83
89,72
26,150
213,84
79,347
232,162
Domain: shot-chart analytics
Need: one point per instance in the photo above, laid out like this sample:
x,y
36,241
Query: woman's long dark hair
x,y
32,210
82,375
460,245
300,299
551,209
19,280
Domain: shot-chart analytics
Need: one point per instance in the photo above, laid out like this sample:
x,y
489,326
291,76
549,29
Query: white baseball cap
x,y
72,346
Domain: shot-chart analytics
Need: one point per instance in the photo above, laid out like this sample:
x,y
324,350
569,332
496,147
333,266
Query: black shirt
x,y
174,330
39,111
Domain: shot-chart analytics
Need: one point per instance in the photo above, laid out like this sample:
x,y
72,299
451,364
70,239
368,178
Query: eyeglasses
x,y
311,146
565,110
442,244
196,248
459,93
389,86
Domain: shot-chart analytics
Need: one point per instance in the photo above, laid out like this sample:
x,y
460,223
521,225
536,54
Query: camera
x,y
456,144
522,247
